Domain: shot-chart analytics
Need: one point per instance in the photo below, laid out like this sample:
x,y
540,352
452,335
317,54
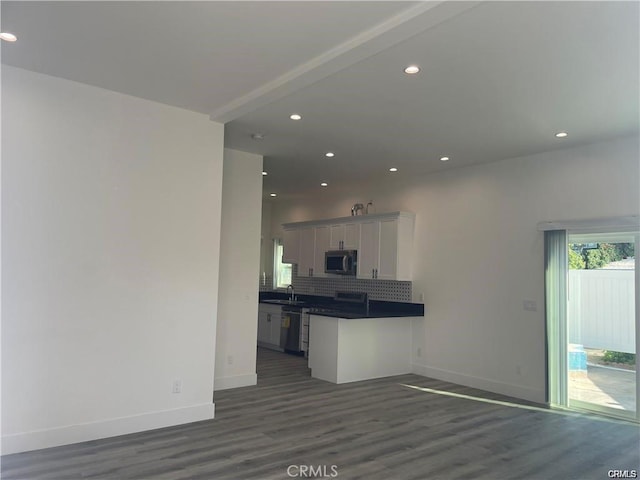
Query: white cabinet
x,y
388,263
384,244
276,328
314,242
322,245
291,246
269,321
385,248
369,251
345,236
306,258
264,326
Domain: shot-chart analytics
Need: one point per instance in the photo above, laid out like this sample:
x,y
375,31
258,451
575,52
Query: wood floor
x,y
378,429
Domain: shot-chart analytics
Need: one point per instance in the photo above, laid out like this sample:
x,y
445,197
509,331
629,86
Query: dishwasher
x,y
291,330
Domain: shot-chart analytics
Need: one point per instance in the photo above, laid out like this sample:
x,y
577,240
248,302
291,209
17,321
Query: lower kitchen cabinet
x,y
269,326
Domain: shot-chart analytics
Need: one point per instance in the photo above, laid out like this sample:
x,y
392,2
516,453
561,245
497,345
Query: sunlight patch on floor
x,y
553,410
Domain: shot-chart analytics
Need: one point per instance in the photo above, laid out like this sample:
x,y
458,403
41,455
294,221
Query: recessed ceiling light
x,y
295,116
264,173
8,37
444,159
324,184
561,134
258,136
273,194
412,69
393,169
329,154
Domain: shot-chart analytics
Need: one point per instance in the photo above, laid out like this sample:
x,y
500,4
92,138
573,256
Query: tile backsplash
x,y
388,290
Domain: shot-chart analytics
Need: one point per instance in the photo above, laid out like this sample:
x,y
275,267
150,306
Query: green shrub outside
x,y
592,258
576,262
619,357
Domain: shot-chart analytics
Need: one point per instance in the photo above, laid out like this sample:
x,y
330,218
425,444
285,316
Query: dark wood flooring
x,y
377,429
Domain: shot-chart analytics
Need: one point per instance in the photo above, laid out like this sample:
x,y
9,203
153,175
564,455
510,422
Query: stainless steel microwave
x,y
342,262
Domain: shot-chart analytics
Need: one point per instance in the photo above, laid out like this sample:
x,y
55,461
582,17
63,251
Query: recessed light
x,y
258,136
412,69
324,184
295,116
562,134
8,37
329,154
444,159
393,169
264,173
273,194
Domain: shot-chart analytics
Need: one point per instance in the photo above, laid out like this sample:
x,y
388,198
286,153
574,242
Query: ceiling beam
x,y
400,27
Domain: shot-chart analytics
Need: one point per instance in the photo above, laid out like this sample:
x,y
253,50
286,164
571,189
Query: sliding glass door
x,y
592,309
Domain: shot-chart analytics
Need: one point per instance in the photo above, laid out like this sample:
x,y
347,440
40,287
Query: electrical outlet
x,y
421,297
230,359
177,386
419,352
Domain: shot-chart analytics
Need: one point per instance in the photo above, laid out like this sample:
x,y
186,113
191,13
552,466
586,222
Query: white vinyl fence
x,y
601,309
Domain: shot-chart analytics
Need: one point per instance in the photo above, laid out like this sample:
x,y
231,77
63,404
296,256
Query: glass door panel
x,y
601,323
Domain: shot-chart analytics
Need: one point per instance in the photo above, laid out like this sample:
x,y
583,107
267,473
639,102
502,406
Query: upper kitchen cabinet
x,y
322,236
386,248
344,236
306,247
384,244
369,252
307,255
291,246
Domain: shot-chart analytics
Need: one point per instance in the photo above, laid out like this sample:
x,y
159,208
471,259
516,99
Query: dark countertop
x,y
355,315
328,307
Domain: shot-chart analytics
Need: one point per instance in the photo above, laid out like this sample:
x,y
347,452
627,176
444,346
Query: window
x,y
281,271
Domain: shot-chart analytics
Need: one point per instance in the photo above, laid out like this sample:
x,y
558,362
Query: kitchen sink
x,y
285,302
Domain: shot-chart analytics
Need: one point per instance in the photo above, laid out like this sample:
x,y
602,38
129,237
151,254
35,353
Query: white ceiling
x,y
498,79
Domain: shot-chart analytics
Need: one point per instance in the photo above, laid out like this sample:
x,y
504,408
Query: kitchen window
x,y
281,271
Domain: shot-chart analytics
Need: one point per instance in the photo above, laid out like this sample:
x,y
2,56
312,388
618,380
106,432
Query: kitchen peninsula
x,y
343,350
351,338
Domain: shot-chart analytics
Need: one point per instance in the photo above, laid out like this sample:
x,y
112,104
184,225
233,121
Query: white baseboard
x,y
480,383
23,442
225,383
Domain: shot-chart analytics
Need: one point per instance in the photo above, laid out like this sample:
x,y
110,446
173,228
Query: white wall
x,y
478,254
239,270
110,247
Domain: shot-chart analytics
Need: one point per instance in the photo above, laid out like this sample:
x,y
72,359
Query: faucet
x,y
292,295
